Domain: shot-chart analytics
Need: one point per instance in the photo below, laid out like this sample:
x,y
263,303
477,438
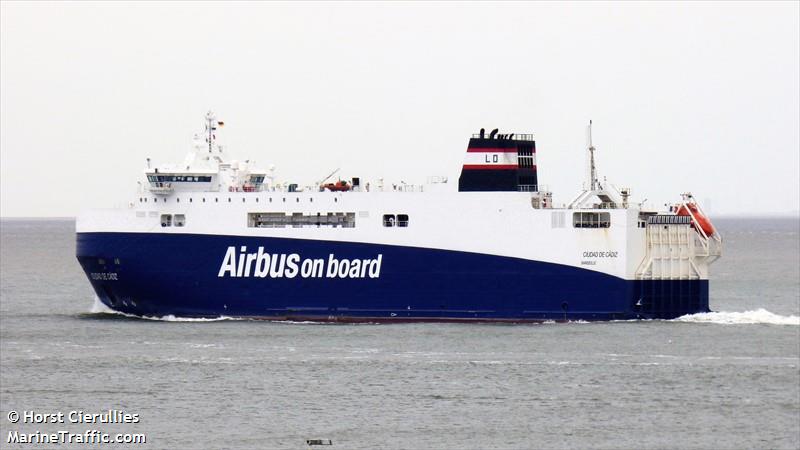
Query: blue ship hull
x,y
152,274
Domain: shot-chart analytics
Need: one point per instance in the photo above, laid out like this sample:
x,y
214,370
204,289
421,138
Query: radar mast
x,y
592,190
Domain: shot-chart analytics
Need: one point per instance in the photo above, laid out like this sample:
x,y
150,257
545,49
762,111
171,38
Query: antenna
x,y
211,127
592,169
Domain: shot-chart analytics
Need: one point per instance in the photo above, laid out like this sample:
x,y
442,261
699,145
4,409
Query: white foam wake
x,y
171,318
759,316
100,308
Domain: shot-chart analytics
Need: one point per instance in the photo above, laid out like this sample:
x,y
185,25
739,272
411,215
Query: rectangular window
x,y
300,220
166,220
402,220
266,220
591,220
350,220
177,178
180,220
389,220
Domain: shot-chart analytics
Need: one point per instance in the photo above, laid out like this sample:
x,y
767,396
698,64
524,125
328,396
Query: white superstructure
x,y
601,230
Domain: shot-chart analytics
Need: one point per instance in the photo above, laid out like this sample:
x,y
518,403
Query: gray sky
x,y
691,96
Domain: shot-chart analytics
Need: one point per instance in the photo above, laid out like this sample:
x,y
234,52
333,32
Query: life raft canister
x,y
699,218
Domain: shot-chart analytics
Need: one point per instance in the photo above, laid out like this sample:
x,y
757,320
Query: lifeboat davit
x,y
699,219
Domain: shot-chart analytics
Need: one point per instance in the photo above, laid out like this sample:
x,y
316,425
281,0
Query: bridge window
x,y
177,178
591,220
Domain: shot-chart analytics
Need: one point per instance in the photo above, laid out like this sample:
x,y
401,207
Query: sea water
x,y
726,379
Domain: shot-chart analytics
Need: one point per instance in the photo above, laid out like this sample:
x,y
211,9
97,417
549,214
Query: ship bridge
x,y
206,168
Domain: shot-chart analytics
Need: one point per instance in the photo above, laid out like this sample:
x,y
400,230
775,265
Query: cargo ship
x,y
214,236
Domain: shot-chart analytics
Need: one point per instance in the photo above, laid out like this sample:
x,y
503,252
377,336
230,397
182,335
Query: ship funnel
x,y
502,164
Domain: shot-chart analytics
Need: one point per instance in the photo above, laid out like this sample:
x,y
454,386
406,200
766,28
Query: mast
x,y
593,184
211,126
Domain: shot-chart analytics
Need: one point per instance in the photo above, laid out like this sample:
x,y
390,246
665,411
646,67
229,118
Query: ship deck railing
x,y
602,205
507,136
533,188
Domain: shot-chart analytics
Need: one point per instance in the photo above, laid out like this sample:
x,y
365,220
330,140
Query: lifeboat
x,y
699,219
339,186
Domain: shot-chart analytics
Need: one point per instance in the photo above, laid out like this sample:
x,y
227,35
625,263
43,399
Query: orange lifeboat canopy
x,y
339,186
699,219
